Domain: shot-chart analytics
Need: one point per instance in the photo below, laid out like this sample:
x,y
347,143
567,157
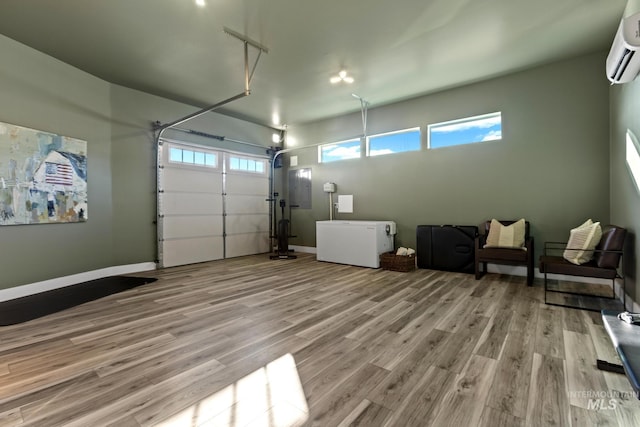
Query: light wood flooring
x,y
255,342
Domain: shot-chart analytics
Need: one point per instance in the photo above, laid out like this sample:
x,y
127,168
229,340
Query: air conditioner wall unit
x,y
623,61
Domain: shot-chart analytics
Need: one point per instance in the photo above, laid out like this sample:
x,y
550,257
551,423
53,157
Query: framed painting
x,y
43,177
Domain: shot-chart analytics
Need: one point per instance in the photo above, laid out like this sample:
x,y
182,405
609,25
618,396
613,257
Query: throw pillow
x,y
586,223
582,241
506,236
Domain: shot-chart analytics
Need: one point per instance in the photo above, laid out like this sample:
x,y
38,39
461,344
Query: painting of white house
x,y
43,177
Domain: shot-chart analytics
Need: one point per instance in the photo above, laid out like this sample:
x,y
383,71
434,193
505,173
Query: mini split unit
x,y
623,61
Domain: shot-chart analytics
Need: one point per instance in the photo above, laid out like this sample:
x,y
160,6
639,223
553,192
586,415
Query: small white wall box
x,y
345,203
293,161
329,187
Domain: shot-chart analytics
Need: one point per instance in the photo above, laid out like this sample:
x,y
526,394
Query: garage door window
x,y
246,164
193,157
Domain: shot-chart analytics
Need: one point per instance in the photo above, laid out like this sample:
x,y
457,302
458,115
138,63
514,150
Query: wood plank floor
x,y
255,342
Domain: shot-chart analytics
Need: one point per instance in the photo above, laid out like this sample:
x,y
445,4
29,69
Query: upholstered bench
x,y
503,255
607,256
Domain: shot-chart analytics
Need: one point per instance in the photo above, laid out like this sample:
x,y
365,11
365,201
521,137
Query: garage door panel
x,y
191,204
192,226
247,223
247,212
247,184
189,251
246,204
192,181
247,244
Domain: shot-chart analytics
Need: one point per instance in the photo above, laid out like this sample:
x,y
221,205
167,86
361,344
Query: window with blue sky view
x,y
343,150
469,130
394,142
192,157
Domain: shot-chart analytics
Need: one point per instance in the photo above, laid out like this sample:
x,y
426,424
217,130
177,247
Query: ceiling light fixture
x,y
201,3
341,77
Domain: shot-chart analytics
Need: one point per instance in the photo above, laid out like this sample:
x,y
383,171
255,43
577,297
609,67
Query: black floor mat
x,y
33,306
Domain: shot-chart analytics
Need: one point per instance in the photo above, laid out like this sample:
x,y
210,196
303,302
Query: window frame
x,y
632,158
394,132
463,120
196,151
257,160
346,141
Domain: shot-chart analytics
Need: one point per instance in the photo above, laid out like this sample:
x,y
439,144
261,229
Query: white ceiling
x,y
394,49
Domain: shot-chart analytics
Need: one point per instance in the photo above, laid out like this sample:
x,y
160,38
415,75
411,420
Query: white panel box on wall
x,y
345,203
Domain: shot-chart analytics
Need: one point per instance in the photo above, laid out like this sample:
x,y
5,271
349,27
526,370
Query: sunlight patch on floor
x,y
271,396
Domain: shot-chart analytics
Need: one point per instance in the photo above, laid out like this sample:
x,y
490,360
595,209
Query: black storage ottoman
x,y
446,247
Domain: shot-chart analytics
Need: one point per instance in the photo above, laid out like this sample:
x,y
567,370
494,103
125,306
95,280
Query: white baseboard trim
x,y
61,282
495,268
74,279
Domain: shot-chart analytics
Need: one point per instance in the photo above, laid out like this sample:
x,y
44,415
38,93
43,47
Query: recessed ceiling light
x,y
341,77
275,138
201,3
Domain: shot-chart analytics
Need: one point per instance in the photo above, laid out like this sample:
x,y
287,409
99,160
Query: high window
x,y
469,130
394,142
342,150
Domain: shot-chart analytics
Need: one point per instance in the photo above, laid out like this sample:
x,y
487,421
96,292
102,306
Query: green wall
x,y
43,93
625,198
551,166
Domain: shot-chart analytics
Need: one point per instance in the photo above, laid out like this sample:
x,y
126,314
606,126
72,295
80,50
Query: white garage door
x,y
212,204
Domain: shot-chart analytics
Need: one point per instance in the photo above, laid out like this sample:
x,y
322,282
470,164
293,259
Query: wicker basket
x,y
393,262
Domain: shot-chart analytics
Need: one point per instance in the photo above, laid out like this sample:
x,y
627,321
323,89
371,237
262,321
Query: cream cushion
x,y
506,236
582,241
586,223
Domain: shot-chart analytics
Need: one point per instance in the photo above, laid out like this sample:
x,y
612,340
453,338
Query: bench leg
x,y
479,272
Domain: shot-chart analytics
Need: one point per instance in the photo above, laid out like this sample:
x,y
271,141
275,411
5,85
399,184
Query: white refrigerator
x,y
354,242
